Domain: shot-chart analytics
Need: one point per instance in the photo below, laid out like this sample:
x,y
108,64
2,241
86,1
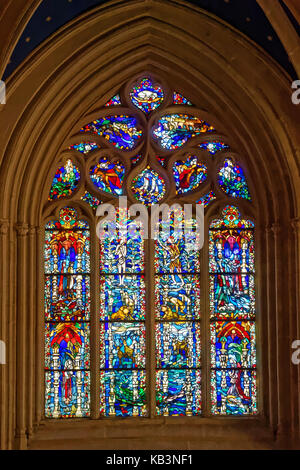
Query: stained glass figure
x,y
85,147
233,344
180,99
233,181
122,254
178,392
114,101
178,344
174,130
148,187
177,297
231,251
173,256
123,393
207,198
147,96
128,301
67,314
122,319
91,200
121,131
108,176
188,174
233,392
67,394
232,305
232,295
67,346
214,146
67,297
122,345
65,181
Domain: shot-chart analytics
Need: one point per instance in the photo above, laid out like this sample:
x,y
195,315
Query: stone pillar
x,y
295,325
22,333
4,336
280,291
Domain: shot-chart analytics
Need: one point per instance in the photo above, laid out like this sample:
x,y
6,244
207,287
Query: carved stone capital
x,y
4,226
22,229
276,228
295,224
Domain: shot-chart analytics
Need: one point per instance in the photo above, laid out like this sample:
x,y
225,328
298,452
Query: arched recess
x,y
57,89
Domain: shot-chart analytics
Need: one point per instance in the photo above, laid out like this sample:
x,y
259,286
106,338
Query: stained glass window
x,y
130,308
177,332
108,176
233,181
67,317
114,101
85,147
180,99
148,187
146,95
174,130
65,181
232,315
207,198
189,174
122,321
213,146
121,131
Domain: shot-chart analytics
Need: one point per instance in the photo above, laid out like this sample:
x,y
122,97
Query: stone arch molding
x,y
61,85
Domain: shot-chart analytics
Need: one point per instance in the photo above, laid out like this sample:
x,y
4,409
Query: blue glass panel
x,y
123,393
233,392
85,147
148,187
122,345
178,344
178,392
233,181
213,146
232,296
121,131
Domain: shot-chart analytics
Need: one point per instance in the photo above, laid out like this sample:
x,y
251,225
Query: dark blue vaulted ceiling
x,y
245,15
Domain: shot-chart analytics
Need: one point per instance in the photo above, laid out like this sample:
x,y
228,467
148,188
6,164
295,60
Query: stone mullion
x,y
4,336
272,347
22,332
